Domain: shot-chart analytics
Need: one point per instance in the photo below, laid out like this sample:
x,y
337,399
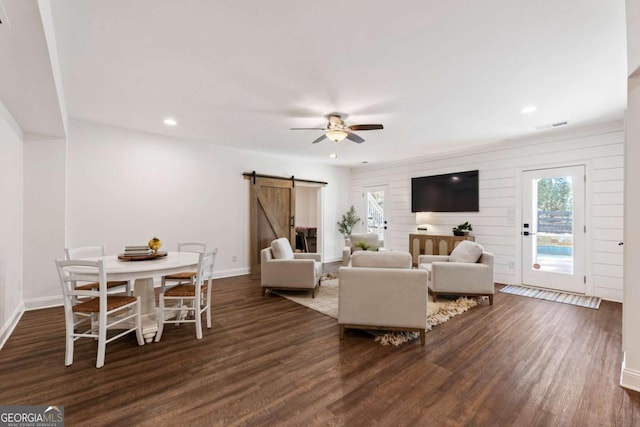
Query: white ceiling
x,y
440,75
27,86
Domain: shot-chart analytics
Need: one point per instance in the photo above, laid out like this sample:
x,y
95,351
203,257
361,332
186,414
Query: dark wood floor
x,y
269,361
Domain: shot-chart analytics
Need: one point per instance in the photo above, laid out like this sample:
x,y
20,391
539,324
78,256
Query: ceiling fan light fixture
x,y
336,135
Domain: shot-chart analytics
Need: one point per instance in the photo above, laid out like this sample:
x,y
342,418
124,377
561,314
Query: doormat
x,y
555,296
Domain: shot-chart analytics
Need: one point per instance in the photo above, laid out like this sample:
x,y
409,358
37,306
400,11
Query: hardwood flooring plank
x,y
269,361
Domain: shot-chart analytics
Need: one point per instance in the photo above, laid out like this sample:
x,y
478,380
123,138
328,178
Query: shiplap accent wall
x,y
497,225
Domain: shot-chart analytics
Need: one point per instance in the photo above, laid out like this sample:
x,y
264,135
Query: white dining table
x,y
144,273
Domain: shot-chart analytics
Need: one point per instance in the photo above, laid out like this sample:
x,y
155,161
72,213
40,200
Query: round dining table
x,y
143,272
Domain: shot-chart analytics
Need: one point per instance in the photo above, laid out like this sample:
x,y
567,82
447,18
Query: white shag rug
x,y
326,302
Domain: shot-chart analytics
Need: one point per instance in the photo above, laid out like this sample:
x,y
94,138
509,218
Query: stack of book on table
x,y
137,250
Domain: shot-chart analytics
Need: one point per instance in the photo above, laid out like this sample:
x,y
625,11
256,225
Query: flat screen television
x,y
451,192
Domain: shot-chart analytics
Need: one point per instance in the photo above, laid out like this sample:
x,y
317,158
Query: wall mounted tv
x,y
452,192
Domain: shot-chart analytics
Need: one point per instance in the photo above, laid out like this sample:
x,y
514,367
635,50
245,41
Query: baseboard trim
x,y
629,378
56,300
231,272
613,295
12,322
44,302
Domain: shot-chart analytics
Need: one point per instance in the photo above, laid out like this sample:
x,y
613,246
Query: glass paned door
x,y
553,228
374,199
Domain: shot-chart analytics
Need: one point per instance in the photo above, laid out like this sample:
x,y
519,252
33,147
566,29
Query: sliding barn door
x,y
272,207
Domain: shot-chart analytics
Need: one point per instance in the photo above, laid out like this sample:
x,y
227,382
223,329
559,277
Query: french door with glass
x,y
375,206
553,228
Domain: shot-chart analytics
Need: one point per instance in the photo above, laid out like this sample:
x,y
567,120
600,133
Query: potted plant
x,y
348,221
462,229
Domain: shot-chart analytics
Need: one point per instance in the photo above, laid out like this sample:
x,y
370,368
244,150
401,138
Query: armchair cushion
x,y
428,259
308,255
466,251
383,298
302,272
459,278
281,249
381,259
370,239
346,256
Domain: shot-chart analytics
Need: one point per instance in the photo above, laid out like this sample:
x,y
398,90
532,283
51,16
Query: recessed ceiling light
x,y
170,122
333,155
528,109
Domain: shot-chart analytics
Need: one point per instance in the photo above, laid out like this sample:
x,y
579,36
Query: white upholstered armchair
x,y
380,290
371,240
467,271
281,268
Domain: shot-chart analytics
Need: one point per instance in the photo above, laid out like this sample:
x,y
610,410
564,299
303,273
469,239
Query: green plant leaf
x,y
348,221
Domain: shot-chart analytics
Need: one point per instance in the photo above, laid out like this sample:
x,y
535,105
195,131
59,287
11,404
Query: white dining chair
x,y
95,252
192,298
89,313
186,276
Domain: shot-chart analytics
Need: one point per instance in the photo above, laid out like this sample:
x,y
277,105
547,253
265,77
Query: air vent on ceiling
x,y
552,125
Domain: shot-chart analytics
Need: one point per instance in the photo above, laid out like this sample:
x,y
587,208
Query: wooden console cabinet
x,y
432,244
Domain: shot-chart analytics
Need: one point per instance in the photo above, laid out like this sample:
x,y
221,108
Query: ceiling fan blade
x,y
366,127
355,138
320,138
308,129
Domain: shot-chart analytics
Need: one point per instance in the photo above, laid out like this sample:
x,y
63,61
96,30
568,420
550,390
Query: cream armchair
x,y
372,240
281,268
381,291
467,271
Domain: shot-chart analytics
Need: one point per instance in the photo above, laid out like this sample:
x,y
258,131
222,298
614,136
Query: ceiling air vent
x,y
552,125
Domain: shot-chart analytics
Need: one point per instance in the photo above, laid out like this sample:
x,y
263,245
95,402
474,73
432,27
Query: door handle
x,y
528,233
293,221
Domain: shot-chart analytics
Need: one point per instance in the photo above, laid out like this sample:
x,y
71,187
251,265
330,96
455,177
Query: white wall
x,y
125,187
306,206
44,218
496,226
633,35
11,224
630,375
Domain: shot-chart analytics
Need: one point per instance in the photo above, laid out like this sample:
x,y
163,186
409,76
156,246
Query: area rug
x,y
326,302
556,296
